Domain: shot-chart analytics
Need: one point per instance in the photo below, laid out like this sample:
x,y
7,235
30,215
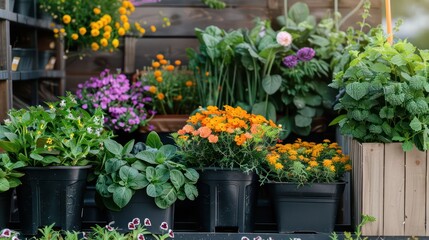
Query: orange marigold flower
x,y
155,64
163,61
177,62
181,132
96,11
157,73
159,56
327,163
188,128
159,79
189,83
74,36
82,31
204,132
152,89
122,10
178,98
213,138
313,163
332,168
184,137
278,166
66,19
207,74
347,167
170,68
160,96
95,46
153,28
95,32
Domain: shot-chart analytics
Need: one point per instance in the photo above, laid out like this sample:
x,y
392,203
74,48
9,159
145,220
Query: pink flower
x,y
147,222
136,221
6,233
213,138
140,237
131,226
164,226
284,38
171,233
204,132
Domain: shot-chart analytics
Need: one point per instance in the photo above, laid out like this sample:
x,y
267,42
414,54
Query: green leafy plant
x,y
151,166
62,135
358,232
9,176
385,92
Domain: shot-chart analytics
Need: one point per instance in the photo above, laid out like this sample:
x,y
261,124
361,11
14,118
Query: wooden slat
x,y
415,193
355,151
394,193
198,3
4,101
372,192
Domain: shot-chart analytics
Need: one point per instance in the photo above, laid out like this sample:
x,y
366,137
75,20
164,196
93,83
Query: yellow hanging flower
x,y
66,19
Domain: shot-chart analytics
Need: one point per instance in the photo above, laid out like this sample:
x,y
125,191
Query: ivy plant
x,y
385,93
149,166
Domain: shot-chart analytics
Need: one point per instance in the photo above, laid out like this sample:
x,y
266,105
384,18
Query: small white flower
x,y
89,129
7,121
284,38
97,132
63,103
70,116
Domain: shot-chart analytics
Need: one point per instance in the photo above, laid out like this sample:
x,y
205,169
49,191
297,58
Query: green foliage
x,y
153,167
9,176
393,79
358,232
216,4
63,135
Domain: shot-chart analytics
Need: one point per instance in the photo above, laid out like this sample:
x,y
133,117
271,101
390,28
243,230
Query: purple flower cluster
x,y
123,103
304,54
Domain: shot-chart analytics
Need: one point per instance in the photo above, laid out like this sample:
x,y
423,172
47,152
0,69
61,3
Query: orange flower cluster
x,y
228,137
232,121
171,85
316,162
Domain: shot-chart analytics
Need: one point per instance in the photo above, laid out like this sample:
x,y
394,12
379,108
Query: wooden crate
x,y
390,185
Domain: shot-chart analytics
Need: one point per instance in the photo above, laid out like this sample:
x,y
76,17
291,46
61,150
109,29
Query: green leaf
x,y
128,148
122,196
177,178
113,147
10,146
313,100
307,112
299,12
153,140
302,121
36,156
424,54
47,160
151,190
4,185
192,175
357,90
338,119
127,173
150,173
407,146
398,60
415,124
147,156
268,110
169,151
381,68
191,191
271,83
11,136
138,182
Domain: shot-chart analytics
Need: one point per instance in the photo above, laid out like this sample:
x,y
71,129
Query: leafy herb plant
x,y
151,166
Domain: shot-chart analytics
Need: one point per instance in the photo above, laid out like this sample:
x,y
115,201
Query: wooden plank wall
x,y
392,186
185,16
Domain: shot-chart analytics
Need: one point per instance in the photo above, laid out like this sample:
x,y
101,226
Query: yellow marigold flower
x,y
152,89
332,168
96,11
152,28
326,140
278,166
82,31
107,28
122,10
121,31
142,30
339,151
156,64
101,24
66,19
126,4
104,42
74,36
163,62
170,68
108,18
327,163
127,26
177,62
117,25
313,164
272,158
157,73
94,25
159,79
347,167
184,137
95,32
106,35
159,56
115,43
62,30
293,157
55,30
124,18
95,46
189,83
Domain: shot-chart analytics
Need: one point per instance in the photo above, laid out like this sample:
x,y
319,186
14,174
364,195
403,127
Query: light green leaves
x,y
357,90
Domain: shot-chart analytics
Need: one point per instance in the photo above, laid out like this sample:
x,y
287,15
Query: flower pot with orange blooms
x,y
305,184
228,146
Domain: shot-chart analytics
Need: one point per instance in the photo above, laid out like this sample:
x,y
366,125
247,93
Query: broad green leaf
x,y
299,12
127,173
4,185
313,100
302,121
415,124
150,173
177,178
113,147
36,156
14,182
271,83
357,90
153,140
191,191
169,151
138,182
122,196
424,54
149,157
381,68
192,175
151,190
299,102
113,165
128,147
398,60
48,160
162,173
338,119
307,112
407,146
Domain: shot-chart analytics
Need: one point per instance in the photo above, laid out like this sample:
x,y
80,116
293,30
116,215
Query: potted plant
x,y
227,146
57,145
173,92
9,180
384,110
144,180
305,183
124,104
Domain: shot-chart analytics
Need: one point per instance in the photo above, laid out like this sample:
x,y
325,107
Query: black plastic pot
x,y
25,7
142,206
51,195
92,213
309,208
5,198
227,200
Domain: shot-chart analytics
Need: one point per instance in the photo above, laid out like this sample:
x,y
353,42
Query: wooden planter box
x,y
391,185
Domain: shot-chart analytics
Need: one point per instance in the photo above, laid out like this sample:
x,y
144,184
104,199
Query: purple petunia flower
x,y
305,54
290,61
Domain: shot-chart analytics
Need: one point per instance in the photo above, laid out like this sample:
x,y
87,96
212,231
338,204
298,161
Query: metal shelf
x,y
4,74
